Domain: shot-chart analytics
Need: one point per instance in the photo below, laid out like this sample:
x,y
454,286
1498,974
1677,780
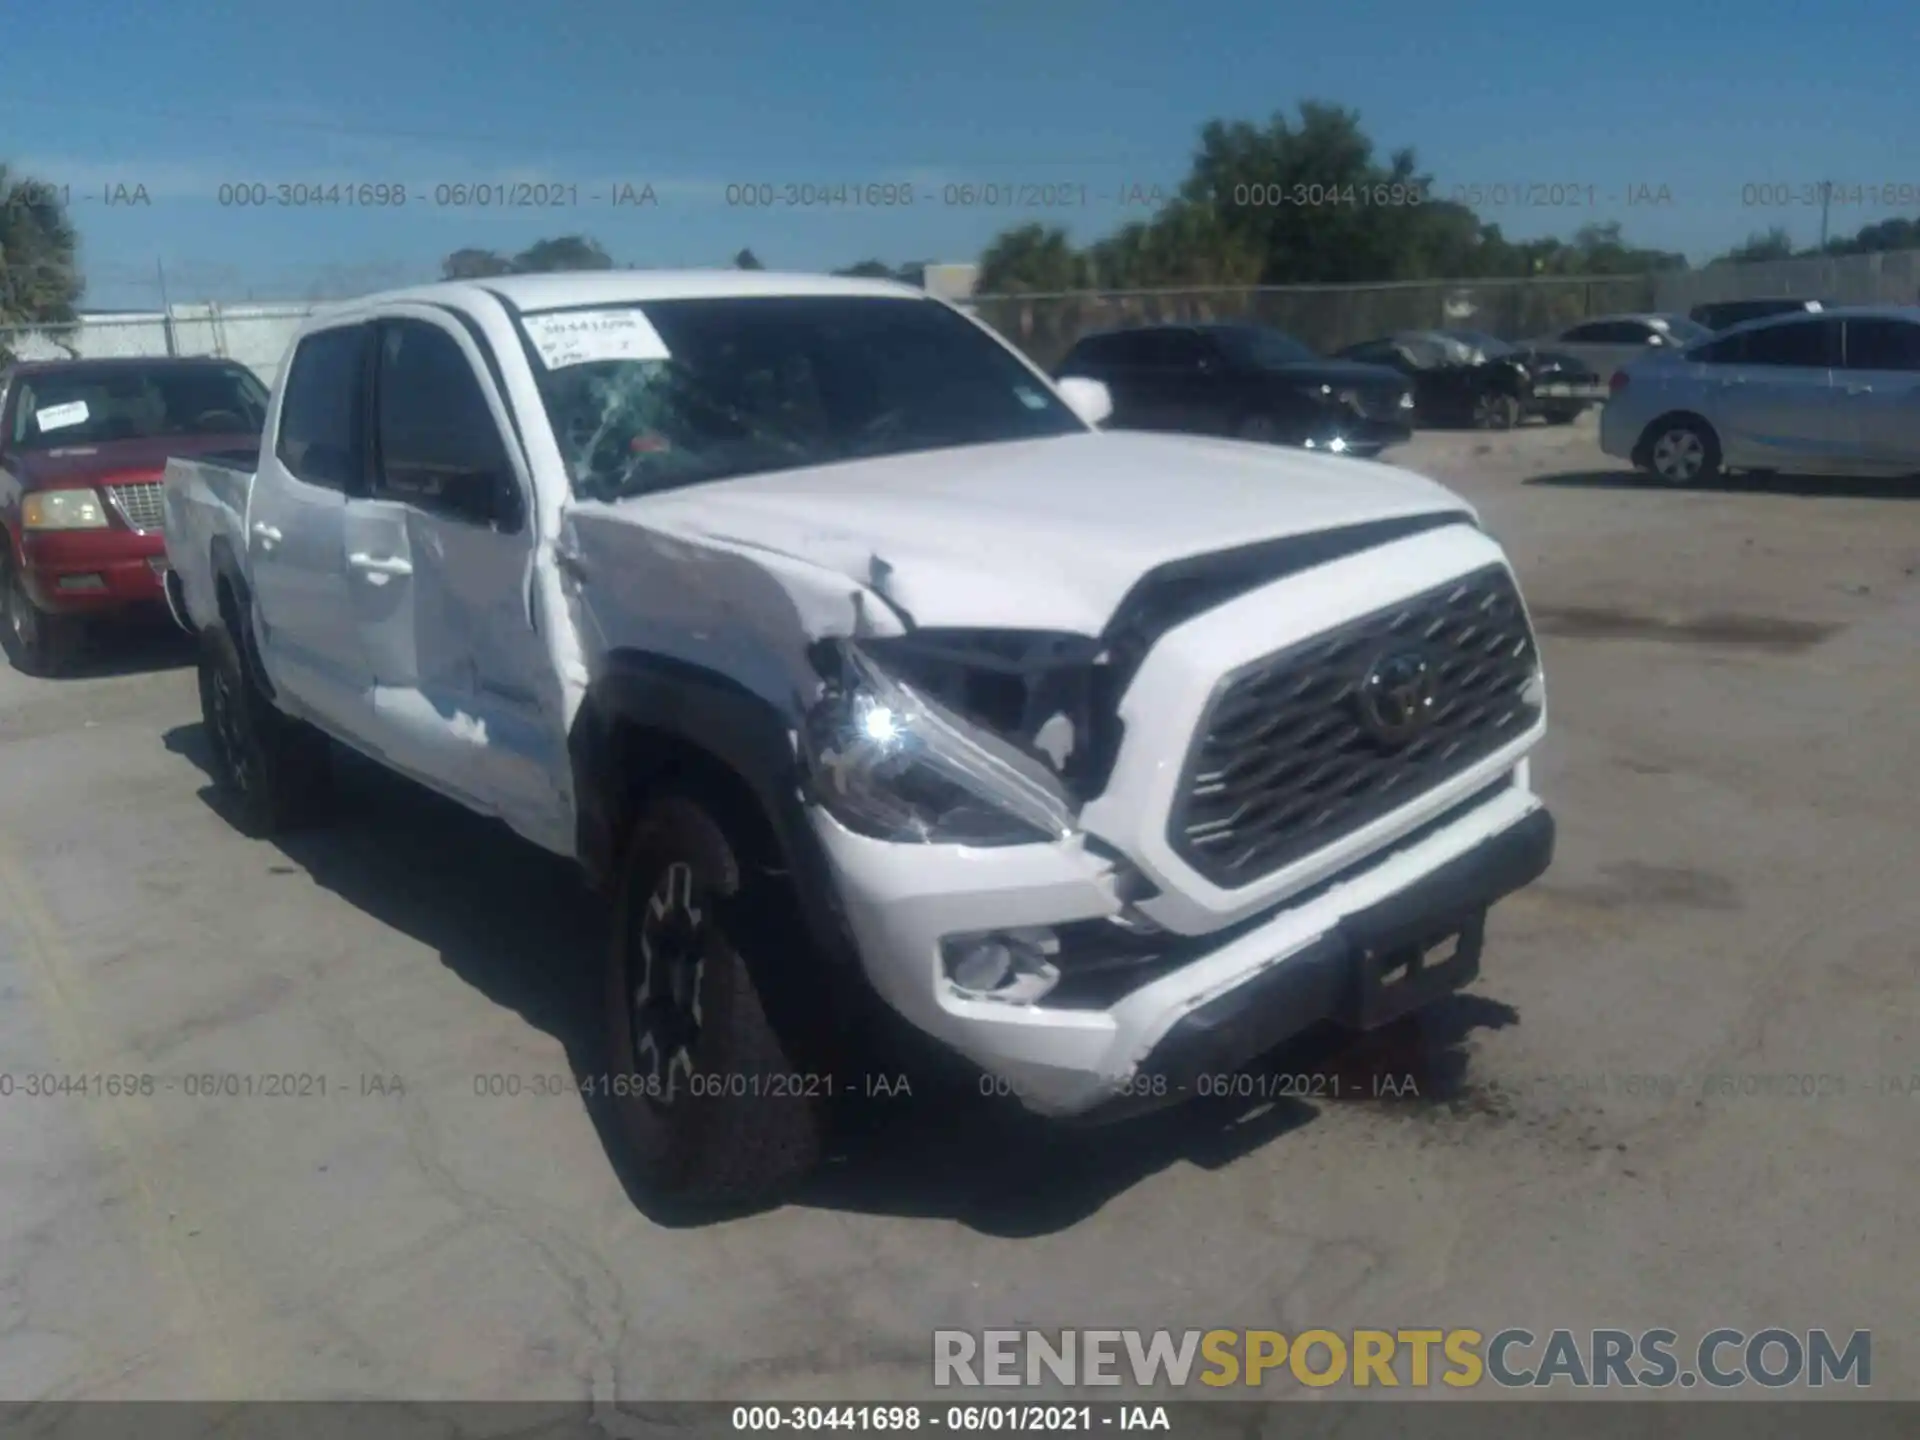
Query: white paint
x,y
575,337
61,417
1044,533
471,668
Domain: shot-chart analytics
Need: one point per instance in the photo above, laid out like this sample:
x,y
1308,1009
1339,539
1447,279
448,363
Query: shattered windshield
x,y
679,392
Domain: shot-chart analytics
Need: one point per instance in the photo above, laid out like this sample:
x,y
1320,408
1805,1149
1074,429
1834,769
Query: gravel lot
x,y
1734,678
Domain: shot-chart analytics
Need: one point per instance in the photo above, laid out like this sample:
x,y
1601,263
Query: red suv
x,y
83,444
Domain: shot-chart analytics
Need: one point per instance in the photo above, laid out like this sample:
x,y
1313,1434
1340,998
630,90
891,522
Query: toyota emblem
x,y
1396,697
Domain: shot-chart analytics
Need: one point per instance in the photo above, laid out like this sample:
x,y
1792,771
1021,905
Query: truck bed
x,y
205,498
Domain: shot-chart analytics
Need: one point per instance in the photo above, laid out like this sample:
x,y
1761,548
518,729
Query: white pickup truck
x,y
846,651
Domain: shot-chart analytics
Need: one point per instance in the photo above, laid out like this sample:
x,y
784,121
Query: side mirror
x,y
1088,399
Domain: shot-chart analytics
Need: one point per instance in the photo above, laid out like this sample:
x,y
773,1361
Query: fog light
x,y
1337,445
1012,966
80,582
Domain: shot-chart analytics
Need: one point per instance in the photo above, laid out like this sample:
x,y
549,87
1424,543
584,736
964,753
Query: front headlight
x,y
888,761
62,510
1406,399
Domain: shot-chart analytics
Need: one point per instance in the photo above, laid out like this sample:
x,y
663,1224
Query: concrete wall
x,y
255,335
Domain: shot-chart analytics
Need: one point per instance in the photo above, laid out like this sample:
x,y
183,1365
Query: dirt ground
x,y
1684,1093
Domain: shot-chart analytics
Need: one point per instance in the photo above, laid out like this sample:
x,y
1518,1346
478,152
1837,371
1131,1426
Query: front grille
x,y
1283,766
139,504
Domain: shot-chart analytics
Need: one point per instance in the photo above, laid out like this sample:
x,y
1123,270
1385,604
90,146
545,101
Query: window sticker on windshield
x,y
1032,399
60,417
575,337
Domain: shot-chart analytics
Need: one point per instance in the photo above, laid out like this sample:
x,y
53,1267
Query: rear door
x,y
1781,413
1879,393
296,546
464,695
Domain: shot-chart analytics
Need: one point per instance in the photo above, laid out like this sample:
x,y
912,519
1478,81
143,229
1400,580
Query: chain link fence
x,y
1326,317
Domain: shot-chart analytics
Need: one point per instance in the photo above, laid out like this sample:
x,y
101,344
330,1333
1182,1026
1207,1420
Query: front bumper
x,y
1375,966
1306,960
86,572
1349,434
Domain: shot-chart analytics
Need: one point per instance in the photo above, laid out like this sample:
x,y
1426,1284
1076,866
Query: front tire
x,y
1494,411
713,1110
275,772
1682,452
38,642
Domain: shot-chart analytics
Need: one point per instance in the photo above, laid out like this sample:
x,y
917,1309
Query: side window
x,y
1883,345
1810,344
439,447
1729,351
319,439
1096,350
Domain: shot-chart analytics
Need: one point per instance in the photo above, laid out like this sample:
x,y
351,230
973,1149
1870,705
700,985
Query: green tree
x,y
1774,244
40,280
564,252
1899,234
1031,260
472,264
1299,200
747,260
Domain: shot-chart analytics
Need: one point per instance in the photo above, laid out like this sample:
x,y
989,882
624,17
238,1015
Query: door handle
x,y
1859,389
381,565
266,534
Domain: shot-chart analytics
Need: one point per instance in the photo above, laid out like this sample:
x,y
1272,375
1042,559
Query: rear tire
x,y
1560,417
713,1110
1681,451
38,642
274,771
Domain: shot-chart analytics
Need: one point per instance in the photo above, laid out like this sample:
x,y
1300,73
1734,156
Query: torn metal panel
x,y
748,613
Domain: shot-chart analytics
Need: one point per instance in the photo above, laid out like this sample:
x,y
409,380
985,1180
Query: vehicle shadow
x,y
922,1135
1739,483
107,651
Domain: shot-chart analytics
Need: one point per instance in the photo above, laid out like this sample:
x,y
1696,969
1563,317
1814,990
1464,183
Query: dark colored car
x,y
83,444
1724,314
1245,381
1466,377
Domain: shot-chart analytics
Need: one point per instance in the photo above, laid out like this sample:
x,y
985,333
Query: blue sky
x,y
1104,96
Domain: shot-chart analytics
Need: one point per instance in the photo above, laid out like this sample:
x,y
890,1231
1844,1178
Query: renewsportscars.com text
x,y
1413,1358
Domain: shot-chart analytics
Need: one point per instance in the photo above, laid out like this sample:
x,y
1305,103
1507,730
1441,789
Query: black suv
x,y
1723,314
1245,381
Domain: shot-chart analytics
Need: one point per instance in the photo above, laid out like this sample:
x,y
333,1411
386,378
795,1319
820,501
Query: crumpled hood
x,y
1040,534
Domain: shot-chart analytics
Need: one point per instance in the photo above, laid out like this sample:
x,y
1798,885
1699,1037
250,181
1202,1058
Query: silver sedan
x,y
1835,392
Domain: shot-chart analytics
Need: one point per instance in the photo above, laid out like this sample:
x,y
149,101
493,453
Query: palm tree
x,y
40,282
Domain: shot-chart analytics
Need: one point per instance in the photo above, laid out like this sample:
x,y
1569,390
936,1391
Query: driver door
x,y
439,557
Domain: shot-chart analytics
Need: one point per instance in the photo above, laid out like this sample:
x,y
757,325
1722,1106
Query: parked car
x,y
1246,381
1725,314
1831,392
842,649
82,447
1607,343
1462,377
